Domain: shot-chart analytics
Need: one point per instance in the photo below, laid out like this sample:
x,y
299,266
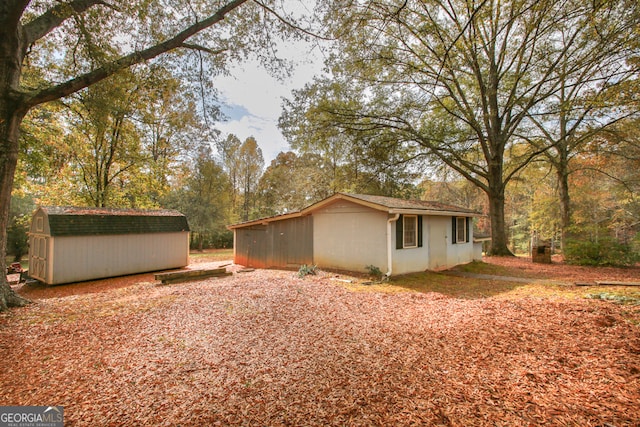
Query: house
x,y
68,244
353,231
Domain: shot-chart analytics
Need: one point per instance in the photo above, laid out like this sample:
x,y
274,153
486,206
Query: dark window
x,y
461,229
409,231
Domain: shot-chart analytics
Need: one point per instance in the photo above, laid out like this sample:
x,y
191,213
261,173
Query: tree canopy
x,y
52,49
459,81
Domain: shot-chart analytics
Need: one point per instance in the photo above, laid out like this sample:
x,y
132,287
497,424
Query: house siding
x,y
348,236
438,251
410,260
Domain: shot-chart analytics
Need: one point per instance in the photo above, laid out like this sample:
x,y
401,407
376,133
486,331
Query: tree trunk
x,y
9,129
499,241
562,173
11,114
565,201
495,194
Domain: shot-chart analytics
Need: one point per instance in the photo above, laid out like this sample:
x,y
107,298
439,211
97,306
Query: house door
x,y
438,241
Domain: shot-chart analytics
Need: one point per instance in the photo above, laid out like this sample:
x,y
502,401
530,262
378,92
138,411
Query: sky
x,y
252,99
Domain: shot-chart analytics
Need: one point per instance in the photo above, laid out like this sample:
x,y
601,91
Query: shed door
x,y
38,258
292,242
252,246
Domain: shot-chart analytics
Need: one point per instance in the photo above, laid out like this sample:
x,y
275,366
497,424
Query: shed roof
x,y
74,221
391,205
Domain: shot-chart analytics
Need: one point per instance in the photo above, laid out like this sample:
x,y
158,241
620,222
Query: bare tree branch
x,y
203,48
291,24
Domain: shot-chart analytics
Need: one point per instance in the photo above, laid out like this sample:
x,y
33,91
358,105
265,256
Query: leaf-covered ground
x,y
269,348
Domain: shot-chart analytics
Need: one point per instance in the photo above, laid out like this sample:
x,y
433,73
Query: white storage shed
x,y
70,244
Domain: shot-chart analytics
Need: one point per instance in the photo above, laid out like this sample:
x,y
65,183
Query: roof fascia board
x,y
341,196
265,220
433,212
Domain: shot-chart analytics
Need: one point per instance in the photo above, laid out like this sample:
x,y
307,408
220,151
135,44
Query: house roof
x,y
393,205
74,221
387,204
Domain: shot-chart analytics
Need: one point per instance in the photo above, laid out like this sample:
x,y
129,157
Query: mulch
x,y
270,348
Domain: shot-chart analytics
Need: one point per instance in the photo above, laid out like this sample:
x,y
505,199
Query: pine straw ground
x,y
268,348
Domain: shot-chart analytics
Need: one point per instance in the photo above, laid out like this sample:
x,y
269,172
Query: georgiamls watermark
x,y
31,416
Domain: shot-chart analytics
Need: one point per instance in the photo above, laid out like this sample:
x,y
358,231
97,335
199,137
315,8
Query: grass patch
x,y
472,288
479,267
442,283
453,286
212,255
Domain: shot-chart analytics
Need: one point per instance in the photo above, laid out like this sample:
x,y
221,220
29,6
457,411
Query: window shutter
x,y
454,230
399,233
468,229
419,231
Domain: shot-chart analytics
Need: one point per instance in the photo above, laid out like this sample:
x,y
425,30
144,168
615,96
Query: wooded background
x,y
524,110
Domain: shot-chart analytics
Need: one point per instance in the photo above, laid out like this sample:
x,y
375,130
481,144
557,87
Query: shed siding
x,y
79,258
348,236
292,242
279,244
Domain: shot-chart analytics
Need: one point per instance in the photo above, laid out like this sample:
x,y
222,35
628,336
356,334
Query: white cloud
x,y
252,98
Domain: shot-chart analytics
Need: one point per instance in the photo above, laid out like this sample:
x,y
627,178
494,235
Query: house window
x,y
410,231
461,226
461,230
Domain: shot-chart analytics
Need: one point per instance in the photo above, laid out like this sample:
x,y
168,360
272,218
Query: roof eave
x,y
264,221
432,212
343,196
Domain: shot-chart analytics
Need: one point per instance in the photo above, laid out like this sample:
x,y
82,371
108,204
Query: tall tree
x,y
292,182
352,160
105,141
77,43
170,127
203,196
250,164
458,78
597,87
229,152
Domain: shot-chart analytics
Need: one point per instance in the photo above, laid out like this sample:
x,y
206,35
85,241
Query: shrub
x,y
374,272
605,252
306,270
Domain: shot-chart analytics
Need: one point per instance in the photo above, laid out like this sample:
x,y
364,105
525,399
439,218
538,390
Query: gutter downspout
x,y
389,247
